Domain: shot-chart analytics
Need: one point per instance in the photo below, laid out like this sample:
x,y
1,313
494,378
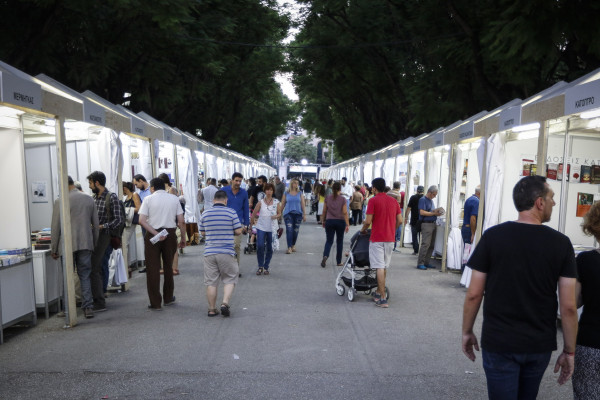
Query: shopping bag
x,y
116,266
466,253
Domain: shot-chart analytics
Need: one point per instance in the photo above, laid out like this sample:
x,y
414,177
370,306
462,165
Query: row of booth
x,y
49,131
555,133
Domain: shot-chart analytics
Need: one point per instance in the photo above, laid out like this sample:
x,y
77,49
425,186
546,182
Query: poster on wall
x,y
39,192
584,203
529,165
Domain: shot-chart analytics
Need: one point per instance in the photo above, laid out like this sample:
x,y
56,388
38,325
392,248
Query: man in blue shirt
x,y
427,216
237,198
220,225
470,217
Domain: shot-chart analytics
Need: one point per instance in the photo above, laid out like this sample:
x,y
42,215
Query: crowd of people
x,y
517,266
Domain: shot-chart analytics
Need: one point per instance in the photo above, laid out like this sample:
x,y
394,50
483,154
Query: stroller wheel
x,y
387,293
351,294
340,289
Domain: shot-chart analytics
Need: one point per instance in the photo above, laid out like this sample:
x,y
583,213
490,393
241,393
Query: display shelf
x,y
48,281
17,295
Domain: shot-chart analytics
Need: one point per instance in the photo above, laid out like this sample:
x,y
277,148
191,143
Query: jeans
x,y
465,231
514,375
105,271
83,261
96,276
264,238
416,238
356,217
292,227
398,236
334,227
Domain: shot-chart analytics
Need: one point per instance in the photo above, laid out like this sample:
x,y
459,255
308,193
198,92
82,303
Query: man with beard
x,y
109,219
517,266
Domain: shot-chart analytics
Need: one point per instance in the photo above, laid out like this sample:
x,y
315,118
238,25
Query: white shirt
x,y
347,190
209,196
265,222
162,209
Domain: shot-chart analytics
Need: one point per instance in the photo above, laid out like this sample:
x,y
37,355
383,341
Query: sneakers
x,y
397,251
324,262
421,267
381,303
170,303
88,313
98,308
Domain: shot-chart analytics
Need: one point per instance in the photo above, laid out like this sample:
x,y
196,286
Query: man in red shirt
x,y
383,212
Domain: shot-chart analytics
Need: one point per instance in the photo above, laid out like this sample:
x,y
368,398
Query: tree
x,y
371,72
300,147
180,59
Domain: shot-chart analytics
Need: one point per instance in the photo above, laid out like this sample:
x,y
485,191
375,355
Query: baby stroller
x,y
314,204
251,241
356,273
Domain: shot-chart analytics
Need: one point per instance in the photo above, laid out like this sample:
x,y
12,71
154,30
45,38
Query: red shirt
x,y
384,209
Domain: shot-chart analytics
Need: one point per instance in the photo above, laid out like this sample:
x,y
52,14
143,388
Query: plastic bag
x,y
117,271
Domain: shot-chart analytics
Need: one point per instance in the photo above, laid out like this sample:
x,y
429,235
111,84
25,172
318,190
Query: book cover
x,y
586,173
595,174
584,203
551,171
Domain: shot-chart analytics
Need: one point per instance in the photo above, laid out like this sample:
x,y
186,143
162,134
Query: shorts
x,y
223,267
380,254
307,196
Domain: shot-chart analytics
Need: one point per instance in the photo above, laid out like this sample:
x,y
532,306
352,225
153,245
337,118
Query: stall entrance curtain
x,y
211,167
187,167
388,171
434,174
455,243
110,157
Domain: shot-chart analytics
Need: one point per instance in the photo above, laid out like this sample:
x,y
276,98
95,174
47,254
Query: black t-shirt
x,y
307,187
413,203
523,263
588,273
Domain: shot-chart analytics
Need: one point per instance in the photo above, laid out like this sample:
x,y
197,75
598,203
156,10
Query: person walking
x,y
321,204
279,188
586,378
171,190
294,214
237,199
427,216
132,203
209,193
307,193
267,210
161,211
335,221
84,235
219,225
517,266
412,209
110,220
383,216
356,203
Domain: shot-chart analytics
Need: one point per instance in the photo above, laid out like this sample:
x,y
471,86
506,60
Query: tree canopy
x,y
372,72
299,147
180,59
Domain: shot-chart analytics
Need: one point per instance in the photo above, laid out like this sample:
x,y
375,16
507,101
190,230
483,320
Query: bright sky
x,y
285,80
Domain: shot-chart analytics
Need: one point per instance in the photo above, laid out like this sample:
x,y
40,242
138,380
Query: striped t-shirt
x,y
218,223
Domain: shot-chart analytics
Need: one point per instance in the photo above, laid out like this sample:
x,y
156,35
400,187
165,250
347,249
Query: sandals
x,y
289,251
293,249
225,310
212,312
175,272
266,272
259,271
324,262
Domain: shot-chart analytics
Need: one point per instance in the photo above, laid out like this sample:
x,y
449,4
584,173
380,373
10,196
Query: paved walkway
x,y
290,337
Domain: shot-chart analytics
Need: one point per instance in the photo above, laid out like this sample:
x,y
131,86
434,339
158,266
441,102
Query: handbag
x,y
279,232
136,219
418,225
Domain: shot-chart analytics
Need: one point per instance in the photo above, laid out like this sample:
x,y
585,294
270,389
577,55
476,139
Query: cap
x,y
420,189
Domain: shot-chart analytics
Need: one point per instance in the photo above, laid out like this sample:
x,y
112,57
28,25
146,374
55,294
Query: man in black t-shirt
x,y
518,265
413,204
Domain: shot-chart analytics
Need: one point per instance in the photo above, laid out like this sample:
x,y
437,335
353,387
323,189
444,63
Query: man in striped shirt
x,y
219,225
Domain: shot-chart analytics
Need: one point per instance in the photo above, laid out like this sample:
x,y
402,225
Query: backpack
x,y
118,231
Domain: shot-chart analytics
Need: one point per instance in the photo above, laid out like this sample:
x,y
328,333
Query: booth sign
x,y
19,92
94,113
438,139
168,135
582,98
509,118
138,127
466,131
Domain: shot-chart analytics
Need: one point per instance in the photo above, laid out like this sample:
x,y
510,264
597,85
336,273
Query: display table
x,y
47,273
17,294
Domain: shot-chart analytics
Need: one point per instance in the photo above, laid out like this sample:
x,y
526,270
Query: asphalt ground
x,y
290,336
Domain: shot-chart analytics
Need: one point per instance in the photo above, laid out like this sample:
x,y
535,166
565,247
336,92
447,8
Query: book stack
x,y
14,256
41,240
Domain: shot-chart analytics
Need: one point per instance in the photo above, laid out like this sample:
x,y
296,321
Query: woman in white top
x,y
267,210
